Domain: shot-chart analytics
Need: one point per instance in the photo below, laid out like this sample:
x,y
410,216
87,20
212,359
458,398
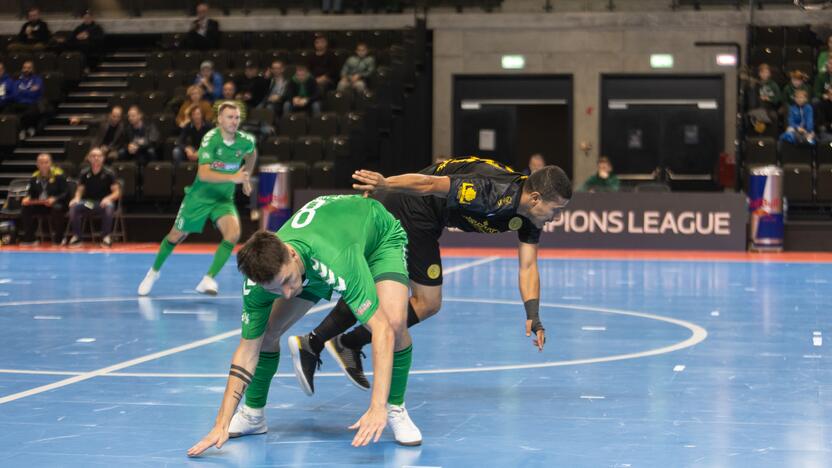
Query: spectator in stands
x,y
33,35
823,56
276,87
209,80
764,100
357,69
797,80
142,138
823,82
195,99
205,32
47,196
229,94
536,163
97,194
251,87
86,38
323,65
823,118
6,88
604,180
801,123
191,136
28,91
302,93
332,6
112,136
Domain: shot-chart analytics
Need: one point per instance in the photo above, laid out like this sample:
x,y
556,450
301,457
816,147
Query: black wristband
x,y
533,313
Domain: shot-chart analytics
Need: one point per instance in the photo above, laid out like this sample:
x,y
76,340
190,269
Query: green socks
x,y
258,391
220,257
165,249
401,368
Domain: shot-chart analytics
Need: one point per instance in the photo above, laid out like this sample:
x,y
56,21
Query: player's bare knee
x,y
175,236
426,306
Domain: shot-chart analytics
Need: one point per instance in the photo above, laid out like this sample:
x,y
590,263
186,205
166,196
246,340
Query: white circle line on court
x,y
698,334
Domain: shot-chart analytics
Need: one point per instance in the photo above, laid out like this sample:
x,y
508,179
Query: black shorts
x,y
422,221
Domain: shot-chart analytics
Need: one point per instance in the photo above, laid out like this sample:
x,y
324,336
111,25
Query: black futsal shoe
x,y
305,362
350,362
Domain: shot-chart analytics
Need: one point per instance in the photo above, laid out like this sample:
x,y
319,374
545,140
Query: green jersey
x,y
223,158
347,244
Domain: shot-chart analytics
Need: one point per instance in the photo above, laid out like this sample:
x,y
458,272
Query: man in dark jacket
x,y
142,138
251,87
323,65
205,32
111,135
33,35
86,38
302,93
48,191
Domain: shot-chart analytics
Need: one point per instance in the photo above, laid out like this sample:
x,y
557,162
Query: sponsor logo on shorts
x,y
434,271
363,307
466,194
515,223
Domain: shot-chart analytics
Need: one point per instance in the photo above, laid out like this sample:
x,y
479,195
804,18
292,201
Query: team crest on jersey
x,y
466,194
515,223
434,271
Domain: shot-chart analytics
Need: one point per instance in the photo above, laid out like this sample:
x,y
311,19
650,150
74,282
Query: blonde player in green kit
x,y
221,155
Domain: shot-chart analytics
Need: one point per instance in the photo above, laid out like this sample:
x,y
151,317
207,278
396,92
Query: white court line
x,y
160,354
698,334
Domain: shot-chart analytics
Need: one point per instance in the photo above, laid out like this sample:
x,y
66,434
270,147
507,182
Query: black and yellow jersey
x,y
483,197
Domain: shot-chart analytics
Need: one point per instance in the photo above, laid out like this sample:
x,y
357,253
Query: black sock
x,y
360,336
339,320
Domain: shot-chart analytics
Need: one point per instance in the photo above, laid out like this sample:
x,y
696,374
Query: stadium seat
x,y
231,40
309,149
53,85
762,150
291,40
795,154
260,115
293,125
141,81
184,176
166,124
187,60
265,160
279,146
824,153
261,40
71,64
801,53
170,80
337,147
352,122
767,54
364,101
768,35
797,182
124,100
824,183
14,62
157,180
152,102
45,61
67,167
339,102
128,172
75,150
220,59
322,175
159,61
796,35
266,58
242,56
298,174
324,126
9,128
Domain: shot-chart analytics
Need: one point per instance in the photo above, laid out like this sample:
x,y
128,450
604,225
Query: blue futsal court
x,y
649,363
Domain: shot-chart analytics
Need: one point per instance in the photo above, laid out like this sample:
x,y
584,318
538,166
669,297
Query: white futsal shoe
x,y
207,286
404,431
147,283
247,421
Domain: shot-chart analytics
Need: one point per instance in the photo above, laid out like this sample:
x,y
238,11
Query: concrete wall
x,y
587,45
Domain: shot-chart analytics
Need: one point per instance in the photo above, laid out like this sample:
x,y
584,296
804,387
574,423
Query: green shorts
x,y
194,211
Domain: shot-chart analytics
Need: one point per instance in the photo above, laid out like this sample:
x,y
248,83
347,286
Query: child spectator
x,y
764,100
823,82
797,80
801,124
357,69
604,180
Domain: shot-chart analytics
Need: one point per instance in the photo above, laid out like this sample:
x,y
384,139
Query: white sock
x,y
256,412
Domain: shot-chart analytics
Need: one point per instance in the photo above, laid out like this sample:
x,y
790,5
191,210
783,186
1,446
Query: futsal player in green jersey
x,y
222,152
346,244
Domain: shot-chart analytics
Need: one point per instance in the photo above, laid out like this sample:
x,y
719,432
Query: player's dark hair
x,y
551,183
262,257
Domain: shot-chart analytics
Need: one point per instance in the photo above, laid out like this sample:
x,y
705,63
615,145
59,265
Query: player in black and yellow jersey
x,y
470,194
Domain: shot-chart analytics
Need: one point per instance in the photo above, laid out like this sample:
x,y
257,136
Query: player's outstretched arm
x,y
412,184
243,364
529,278
371,424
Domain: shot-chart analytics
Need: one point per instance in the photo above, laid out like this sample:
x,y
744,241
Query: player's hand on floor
x,y
217,437
370,426
369,181
539,339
